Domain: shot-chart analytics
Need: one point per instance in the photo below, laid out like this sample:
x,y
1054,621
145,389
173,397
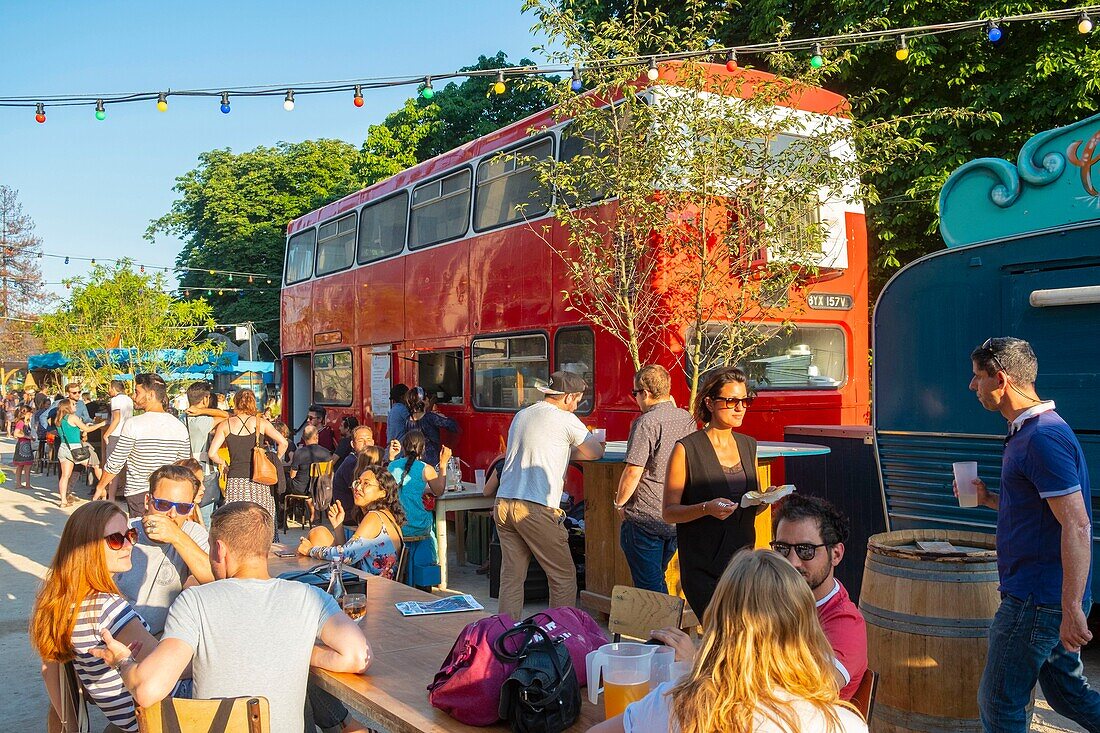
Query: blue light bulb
x,y
993,32
577,85
225,109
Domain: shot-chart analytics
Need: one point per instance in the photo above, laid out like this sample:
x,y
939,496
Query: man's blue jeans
x,y
1024,648
647,555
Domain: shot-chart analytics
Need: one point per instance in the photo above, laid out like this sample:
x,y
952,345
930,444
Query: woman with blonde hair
x,y
71,431
79,600
238,433
763,665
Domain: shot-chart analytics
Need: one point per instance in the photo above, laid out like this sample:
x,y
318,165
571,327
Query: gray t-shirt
x,y
652,438
253,637
198,431
539,444
157,575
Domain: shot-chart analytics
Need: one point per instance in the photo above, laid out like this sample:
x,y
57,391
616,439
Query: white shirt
x,y
540,441
147,442
1029,413
125,407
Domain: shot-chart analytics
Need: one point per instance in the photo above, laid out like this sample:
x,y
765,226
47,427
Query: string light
x,y
993,32
1084,23
66,260
141,269
498,87
357,100
427,92
576,84
93,261
288,102
40,113
249,278
162,102
731,60
816,62
100,112
224,107
652,74
231,278
208,293
903,50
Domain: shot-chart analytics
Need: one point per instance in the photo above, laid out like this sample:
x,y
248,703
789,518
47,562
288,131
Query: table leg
x,y
460,537
441,543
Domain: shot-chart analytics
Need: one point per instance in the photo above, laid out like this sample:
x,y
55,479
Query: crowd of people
x,y
783,647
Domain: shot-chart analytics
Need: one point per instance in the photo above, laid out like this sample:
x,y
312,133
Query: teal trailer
x,y
1023,260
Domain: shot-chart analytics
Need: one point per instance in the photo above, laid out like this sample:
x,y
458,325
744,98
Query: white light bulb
x,y
288,105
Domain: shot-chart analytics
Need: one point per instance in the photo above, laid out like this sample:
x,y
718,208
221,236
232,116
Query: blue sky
x,y
92,187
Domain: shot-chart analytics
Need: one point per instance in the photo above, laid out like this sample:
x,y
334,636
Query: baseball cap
x,y
563,383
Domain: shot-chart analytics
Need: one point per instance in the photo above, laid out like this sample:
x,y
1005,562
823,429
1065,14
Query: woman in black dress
x,y
708,473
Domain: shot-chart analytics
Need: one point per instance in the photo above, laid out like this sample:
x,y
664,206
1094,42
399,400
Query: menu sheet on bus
x,y
380,380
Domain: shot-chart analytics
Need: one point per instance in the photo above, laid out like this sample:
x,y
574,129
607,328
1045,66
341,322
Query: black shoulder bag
x,y
542,694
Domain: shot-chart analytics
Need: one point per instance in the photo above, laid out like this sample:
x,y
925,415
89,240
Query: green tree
x,y
393,146
116,307
232,213
1042,76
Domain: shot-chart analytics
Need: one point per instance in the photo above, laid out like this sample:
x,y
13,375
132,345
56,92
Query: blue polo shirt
x,y
1042,460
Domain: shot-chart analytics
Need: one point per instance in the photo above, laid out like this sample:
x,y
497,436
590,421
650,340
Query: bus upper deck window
x,y
299,256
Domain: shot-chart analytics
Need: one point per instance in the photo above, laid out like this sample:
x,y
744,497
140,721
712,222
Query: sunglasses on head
x,y
733,403
987,345
118,539
164,506
804,550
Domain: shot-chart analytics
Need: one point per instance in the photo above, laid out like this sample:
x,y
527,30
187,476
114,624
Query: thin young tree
x,y
22,294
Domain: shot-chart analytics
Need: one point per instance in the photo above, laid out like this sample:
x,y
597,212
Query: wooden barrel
x,y
928,616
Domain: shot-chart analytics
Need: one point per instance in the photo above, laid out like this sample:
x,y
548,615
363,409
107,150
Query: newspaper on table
x,y
454,604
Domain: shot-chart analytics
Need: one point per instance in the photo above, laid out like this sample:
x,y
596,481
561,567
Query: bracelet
x,y
123,662
705,507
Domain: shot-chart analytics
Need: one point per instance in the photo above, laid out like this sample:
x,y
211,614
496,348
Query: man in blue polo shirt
x,y
1044,549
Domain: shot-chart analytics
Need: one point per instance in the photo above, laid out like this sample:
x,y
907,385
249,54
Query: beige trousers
x,y
525,529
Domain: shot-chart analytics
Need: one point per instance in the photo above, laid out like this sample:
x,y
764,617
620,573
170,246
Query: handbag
x,y
81,453
263,470
542,694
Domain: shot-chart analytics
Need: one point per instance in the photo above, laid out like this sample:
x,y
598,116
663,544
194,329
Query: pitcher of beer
x,y
625,668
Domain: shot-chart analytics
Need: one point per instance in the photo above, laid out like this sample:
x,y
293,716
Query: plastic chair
x,y
226,715
635,612
864,697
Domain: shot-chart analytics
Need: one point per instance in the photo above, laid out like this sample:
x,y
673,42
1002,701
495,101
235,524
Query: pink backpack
x,y
467,686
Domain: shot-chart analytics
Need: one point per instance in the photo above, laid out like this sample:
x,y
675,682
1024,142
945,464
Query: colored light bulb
x,y
903,50
651,73
576,84
66,260
993,32
40,113
224,107
288,101
427,92
162,102
357,100
1084,23
100,112
498,86
731,60
816,61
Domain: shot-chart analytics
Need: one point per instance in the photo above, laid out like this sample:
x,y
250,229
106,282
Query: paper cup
x,y
601,434
965,474
479,478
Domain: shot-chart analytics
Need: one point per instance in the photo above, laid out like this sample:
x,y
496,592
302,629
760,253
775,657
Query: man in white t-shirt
x,y
145,443
122,409
542,439
266,651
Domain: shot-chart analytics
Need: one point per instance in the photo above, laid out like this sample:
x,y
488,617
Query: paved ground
x,y
30,524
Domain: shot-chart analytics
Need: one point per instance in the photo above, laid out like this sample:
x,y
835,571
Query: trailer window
x,y
333,382
440,210
506,370
800,357
382,228
508,189
440,373
575,351
336,245
299,256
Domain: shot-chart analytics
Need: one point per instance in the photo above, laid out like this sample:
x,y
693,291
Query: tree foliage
x,y
1043,76
116,307
21,291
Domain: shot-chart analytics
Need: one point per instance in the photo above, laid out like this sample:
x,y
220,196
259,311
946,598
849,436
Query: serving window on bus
x,y
508,189
799,357
336,245
333,379
440,373
575,351
440,210
382,226
299,256
506,369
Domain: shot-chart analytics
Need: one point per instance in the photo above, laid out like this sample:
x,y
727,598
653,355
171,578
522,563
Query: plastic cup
x,y
601,434
479,478
965,474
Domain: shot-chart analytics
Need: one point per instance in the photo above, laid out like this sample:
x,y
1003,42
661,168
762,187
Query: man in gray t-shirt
x,y
170,549
247,633
541,441
647,540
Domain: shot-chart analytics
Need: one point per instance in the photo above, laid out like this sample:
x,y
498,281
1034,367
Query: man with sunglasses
x,y
170,550
811,533
325,437
1044,548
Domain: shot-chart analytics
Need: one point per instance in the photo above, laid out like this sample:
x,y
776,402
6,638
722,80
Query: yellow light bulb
x,y
901,54
162,106
498,88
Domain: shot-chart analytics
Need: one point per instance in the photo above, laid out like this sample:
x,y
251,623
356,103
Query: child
x,y
24,448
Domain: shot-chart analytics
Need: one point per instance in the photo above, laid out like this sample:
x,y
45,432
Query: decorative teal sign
x,y
1051,186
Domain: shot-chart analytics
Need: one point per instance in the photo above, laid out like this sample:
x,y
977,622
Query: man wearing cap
x,y
542,439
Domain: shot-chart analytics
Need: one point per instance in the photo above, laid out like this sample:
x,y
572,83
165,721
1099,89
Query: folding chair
x,y
636,612
226,715
864,697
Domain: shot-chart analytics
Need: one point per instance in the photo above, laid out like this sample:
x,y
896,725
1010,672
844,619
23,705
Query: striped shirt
x,y
104,685
145,443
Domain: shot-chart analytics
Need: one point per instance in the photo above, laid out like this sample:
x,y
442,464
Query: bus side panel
x,y
338,313
380,302
511,283
295,308
437,291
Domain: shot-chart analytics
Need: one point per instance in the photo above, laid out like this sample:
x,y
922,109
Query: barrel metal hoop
x,y
965,628
916,563
920,572
927,723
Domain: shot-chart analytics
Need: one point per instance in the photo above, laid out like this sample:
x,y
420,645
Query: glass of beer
x,y
354,605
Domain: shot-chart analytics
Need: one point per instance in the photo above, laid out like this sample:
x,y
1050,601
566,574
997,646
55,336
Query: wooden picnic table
x,y
408,651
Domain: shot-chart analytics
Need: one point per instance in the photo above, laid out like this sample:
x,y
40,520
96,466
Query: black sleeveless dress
x,y
707,544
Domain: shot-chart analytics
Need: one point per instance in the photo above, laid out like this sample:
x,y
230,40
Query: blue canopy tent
x,y
223,363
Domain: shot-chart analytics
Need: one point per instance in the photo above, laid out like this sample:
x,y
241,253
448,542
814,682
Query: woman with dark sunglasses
x,y
710,470
79,599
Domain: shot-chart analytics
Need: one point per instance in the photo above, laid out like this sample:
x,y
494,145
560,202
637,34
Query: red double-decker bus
x,y
440,277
